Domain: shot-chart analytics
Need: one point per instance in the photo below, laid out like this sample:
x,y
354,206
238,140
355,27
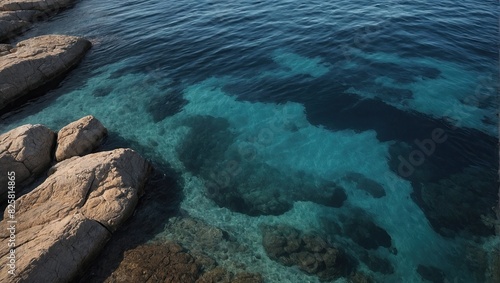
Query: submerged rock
x,y
169,262
165,263
166,105
376,263
431,274
336,199
65,221
102,91
461,204
26,151
79,138
310,253
221,275
359,226
368,185
195,234
476,260
236,180
36,61
359,277
494,270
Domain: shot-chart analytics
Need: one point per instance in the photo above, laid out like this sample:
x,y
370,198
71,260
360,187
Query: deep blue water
x,y
262,105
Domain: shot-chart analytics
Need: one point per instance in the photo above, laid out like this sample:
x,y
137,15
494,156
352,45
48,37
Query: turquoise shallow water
x,y
262,105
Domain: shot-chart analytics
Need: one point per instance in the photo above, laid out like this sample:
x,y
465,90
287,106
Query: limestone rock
x,y
66,220
36,61
79,138
25,150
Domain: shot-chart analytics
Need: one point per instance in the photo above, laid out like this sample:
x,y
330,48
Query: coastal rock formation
x,y
308,252
79,138
14,22
25,150
18,15
35,61
39,5
64,222
5,49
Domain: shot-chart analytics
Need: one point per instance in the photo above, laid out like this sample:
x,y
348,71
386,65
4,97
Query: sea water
x,y
286,96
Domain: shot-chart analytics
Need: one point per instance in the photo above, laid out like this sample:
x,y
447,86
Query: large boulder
x,y
79,138
26,151
18,15
64,222
36,61
14,22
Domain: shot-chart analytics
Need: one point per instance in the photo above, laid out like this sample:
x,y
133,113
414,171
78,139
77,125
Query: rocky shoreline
x,y
65,221
34,62
17,16
65,224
